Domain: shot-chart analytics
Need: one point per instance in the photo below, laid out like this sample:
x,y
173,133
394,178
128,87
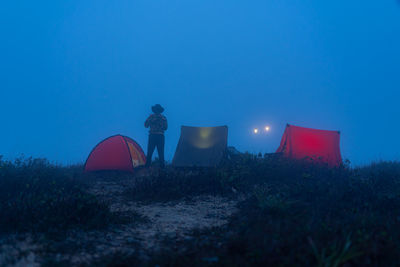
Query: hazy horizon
x,y
76,72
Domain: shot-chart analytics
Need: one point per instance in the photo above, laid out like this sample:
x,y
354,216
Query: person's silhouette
x,y
157,124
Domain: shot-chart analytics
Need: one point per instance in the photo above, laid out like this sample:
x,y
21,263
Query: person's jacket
x,y
157,123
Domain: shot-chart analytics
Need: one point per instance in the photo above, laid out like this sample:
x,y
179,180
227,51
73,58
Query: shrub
x,y
37,196
304,215
175,184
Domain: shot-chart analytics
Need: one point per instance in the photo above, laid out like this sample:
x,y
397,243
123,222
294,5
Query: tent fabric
x,y
115,153
201,146
316,145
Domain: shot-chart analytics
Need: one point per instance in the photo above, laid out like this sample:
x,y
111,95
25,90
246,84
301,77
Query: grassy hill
x,y
251,211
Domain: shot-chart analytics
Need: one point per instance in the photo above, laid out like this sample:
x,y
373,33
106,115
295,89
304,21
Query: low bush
x,y
176,184
303,215
294,213
36,196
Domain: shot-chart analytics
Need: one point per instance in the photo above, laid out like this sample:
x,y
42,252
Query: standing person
x,y
158,124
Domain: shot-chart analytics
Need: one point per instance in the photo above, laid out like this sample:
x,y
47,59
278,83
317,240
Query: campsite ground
x,y
158,221
251,211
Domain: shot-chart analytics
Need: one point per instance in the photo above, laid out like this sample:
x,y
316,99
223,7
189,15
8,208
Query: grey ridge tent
x,y
201,146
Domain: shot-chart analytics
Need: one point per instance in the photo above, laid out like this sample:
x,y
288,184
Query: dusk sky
x,y
75,72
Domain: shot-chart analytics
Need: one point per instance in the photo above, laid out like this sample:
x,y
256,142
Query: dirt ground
x,y
175,220
171,219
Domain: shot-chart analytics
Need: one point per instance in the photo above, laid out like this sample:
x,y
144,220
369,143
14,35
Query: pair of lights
x,y
266,129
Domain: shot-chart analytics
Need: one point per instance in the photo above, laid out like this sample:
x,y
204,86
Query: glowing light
x,y
267,128
203,138
205,132
255,131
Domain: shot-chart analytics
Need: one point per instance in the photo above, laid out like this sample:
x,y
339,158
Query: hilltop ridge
x,y
250,211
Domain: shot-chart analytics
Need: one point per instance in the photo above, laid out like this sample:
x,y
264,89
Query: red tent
x,y
115,153
317,145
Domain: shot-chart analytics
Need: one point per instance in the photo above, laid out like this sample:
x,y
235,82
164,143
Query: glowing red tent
x,y
115,153
316,145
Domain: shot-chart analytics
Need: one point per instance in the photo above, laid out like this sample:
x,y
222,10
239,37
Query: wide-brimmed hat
x,y
157,108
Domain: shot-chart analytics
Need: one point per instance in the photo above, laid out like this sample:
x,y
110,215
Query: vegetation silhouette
x,y
289,212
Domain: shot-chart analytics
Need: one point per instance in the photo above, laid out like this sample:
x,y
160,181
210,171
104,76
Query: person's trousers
x,y
155,140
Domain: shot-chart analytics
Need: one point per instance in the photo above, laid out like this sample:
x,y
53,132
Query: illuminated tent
x,y
201,146
115,153
316,145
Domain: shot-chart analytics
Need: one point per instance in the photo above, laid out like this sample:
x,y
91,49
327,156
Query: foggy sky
x,y
75,72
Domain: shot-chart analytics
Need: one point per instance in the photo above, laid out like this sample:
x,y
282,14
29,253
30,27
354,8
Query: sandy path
x,y
174,220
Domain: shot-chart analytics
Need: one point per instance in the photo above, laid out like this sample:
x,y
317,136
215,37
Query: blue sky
x,y
75,72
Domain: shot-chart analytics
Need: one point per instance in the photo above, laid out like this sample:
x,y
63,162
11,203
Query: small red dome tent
x,y
115,153
306,143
